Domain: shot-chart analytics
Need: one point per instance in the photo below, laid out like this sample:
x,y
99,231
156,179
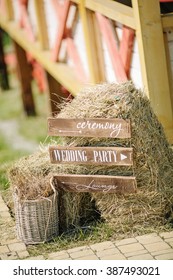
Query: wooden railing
x,y
99,20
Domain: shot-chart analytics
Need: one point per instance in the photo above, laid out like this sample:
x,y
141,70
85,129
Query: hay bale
x,y
153,157
152,205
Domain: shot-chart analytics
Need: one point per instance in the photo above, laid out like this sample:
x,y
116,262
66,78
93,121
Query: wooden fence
x,y
72,44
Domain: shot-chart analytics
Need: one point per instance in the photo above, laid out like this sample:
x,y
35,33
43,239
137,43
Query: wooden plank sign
x,y
91,155
96,183
109,128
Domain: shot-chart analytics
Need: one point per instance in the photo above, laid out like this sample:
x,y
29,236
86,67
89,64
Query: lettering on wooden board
x,y
96,183
109,128
98,128
91,155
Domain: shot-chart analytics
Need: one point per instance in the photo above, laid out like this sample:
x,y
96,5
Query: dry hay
x,y
153,157
30,176
153,160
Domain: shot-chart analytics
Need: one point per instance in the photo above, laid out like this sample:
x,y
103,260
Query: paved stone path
x,y
147,247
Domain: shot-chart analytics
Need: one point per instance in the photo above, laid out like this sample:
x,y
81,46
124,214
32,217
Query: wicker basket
x,y
36,220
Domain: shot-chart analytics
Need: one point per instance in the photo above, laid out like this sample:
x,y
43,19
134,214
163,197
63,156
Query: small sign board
x,y
109,128
91,155
96,183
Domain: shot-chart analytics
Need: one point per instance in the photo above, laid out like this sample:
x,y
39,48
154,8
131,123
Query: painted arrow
x,y
123,157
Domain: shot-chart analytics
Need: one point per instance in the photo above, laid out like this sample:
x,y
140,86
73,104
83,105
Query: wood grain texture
x,y
91,155
149,33
9,9
112,128
113,10
41,24
25,76
92,39
95,183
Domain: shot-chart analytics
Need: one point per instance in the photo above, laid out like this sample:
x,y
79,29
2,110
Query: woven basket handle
x,y
51,183
59,186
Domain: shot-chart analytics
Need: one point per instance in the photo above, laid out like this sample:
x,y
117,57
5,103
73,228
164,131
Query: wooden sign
x,y
96,183
91,155
109,128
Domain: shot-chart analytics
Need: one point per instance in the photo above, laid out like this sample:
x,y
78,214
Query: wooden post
x,y
4,82
55,94
168,65
154,70
41,23
25,77
92,42
9,10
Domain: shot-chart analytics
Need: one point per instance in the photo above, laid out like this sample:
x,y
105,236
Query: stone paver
x,y
5,214
125,241
139,252
57,254
102,246
10,241
81,253
170,244
20,246
23,254
145,247
166,235
114,257
104,253
142,257
62,255
40,257
154,247
90,257
168,256
161,252
169,240
149,238
4,249
9,256
3,207
77,249
131,248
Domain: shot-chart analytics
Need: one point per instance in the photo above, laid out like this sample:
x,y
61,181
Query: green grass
x,y
80,236
31,128
11,107
7,157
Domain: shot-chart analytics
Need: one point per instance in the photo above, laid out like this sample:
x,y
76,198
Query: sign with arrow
x,y
107,156
91,155
95,183
109,128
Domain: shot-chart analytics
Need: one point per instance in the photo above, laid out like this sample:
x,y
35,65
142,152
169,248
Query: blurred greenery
x,y
6,39
30,128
